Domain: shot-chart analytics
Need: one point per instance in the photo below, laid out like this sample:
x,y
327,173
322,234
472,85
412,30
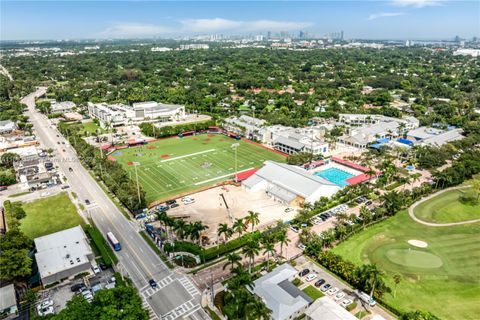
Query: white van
x,y
366,298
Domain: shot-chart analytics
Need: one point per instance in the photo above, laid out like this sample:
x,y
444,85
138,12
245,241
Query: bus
x,y
114,242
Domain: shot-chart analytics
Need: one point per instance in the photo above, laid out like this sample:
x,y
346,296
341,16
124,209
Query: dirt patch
x,y
152,147
129,163
164,156
194,138
211,135
205,143
222,140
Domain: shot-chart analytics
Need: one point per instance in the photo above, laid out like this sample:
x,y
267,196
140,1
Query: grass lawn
x,y
173,166
446,208
49,215
443,278
91,127
313,292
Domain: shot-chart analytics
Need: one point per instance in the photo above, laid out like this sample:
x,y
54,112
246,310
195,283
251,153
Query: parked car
x,y
311,277
294,229
152,283
304,272
3,188
188,200
103,266
162,207
339,296
369,202
45,311
326,288
77,287
346,302
170,202
65,187
333,291
174,205
319,283
301,246
45,304
87,202
96,269
288,210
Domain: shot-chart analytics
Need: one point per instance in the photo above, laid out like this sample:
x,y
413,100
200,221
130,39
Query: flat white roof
x,y
61,251
325,308
7,297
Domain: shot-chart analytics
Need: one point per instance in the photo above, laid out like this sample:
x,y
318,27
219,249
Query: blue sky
x,y
393,19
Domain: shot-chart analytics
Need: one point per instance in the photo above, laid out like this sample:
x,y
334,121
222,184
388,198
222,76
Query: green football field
x,y
443,278
171,167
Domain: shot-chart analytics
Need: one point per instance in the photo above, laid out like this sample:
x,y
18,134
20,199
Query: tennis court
x,y
174,166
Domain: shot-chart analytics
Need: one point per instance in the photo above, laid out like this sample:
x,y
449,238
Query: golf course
x,y
439,266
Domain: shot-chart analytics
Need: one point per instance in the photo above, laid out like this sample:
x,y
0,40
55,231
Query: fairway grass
x,y
170,167
446,208
443,278
49,215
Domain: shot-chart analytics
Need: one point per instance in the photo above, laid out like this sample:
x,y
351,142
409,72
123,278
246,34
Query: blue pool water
x,y
336,176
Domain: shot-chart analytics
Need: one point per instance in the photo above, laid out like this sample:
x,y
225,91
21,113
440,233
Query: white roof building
x,y
279,294
61,107
289,184
8,300
433,136
121,115
63,254
325,308
7,126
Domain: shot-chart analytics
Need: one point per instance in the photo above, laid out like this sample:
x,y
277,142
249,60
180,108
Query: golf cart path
x,y
431,224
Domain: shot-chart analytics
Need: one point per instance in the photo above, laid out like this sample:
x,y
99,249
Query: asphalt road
x,y
178,298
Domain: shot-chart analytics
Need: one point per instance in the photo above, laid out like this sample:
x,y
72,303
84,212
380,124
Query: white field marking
x,y
221,177
187,155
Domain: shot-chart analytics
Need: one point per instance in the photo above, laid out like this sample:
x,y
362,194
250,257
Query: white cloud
x,y
385,15
417,3
132,30
219,24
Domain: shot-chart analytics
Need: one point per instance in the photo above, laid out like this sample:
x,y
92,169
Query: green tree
x,y
233,259
252,218
396,279
269,250
418,315
15,264
250,250
239,226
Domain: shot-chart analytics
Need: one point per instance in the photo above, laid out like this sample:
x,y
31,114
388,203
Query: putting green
x,y
414,258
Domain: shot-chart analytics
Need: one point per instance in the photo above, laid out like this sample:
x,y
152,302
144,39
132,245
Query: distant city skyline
x,y
390,19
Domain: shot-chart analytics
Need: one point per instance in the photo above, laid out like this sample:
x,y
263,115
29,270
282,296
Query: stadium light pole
x,y
235,147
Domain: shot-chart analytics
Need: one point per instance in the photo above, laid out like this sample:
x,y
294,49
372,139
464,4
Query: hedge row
x,y
109,258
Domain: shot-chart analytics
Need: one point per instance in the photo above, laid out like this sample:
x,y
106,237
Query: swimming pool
x,y
335,175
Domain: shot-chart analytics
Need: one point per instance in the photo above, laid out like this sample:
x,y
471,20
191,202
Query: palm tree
x,y
365,215
372,275
269,249
250,250
224,229
252,218
283,240
195,230
257,310
233,259
167,221
239,226
396,278
181,228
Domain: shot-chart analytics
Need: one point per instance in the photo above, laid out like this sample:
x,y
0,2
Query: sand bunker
x,y
164,156
418,243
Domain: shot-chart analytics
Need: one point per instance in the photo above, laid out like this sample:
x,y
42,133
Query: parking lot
x,y
350,294
58,296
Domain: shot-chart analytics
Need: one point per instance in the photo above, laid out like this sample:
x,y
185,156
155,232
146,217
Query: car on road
x,y
332,291
326,287
87,202
311,277
319,283
70,169
301,246
369,202
77,287
346,302
304,272
96,269
3,188
170,202
287,210
65,187
152,283
174,205
339,296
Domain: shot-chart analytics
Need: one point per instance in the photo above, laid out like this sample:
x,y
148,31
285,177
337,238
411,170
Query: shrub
x,y
103,247
183,246
352,306
214,252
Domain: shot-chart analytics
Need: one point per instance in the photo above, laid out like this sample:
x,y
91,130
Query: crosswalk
x,y
151,313
188,285
149,291
182,310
